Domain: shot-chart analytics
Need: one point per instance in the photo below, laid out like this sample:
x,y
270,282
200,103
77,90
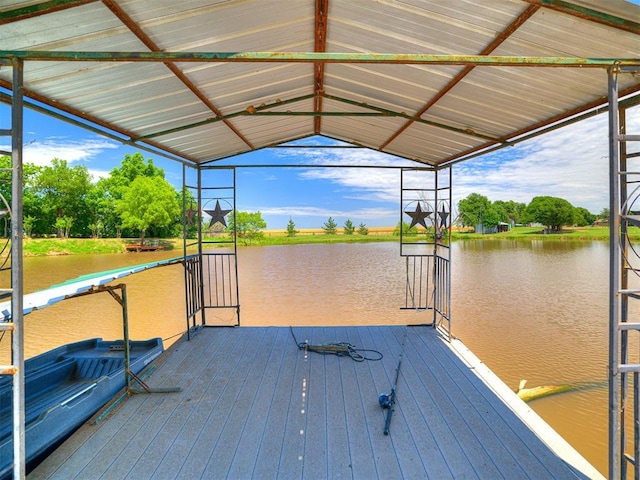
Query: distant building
x,y
501,227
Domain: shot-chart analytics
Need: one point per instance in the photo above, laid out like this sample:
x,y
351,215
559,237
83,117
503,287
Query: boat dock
x,y
253,405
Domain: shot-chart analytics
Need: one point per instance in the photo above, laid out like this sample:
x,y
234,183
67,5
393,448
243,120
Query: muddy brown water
x,y
530,310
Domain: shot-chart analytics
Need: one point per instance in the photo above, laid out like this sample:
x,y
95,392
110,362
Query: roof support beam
x,y
251,110
6,98
589,14
39,9
537,129
413,118
506,33
96,121
144,38
311,57
322,7
263,110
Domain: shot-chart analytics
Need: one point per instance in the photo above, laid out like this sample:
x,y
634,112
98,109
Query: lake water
x,y
530,310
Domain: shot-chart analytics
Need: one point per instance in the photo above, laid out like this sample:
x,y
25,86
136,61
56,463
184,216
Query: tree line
x,y
134,199
552,212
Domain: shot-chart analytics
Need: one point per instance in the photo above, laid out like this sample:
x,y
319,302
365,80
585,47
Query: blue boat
x,y
64,387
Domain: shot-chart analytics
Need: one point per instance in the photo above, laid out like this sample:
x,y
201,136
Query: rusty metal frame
x,y
623,193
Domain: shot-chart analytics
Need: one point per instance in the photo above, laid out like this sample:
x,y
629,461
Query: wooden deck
x,y
254,406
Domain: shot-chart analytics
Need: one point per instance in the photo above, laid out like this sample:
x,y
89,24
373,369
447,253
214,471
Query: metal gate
x,y
211,274
425,239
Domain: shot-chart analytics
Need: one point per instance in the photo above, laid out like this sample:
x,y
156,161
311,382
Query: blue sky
x,y
570,163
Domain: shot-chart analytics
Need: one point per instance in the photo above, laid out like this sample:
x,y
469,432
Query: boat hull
x,y
64,388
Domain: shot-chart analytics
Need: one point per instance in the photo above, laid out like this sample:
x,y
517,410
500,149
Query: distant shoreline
x,y
56,246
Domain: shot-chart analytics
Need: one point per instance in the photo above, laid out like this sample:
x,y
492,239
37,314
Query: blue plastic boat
x,y
65,387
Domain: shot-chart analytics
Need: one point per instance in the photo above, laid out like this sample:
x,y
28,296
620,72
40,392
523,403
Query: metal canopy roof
x,y
432,81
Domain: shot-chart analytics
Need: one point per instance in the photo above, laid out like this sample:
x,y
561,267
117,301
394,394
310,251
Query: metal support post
x,y
235,244
200,256
614,275
17,347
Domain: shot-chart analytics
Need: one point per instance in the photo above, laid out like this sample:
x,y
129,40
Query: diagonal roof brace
x,y
589,14
144,38
38,9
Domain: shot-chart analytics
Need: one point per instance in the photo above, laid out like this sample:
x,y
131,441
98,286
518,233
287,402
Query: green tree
x,y
509,211
110,190
32,203
64,190
134,166
552,212
604,215
406,229
247,225
291,228
363,230
101,211
348,227
475,209
330,227
582,217
148,201
27,224
187,201
64,224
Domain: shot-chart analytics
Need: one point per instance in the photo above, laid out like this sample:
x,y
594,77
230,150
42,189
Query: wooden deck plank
x,y
379,379
427,432
358,409
130,415
268,455
253,430
416,420
160,434
201,433
255,406
235,420
471,391
521,449
291,453
316,410
448,407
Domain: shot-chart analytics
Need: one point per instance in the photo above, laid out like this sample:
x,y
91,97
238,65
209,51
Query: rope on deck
x,y
340,349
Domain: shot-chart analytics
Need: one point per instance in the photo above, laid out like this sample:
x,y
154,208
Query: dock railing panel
x,y
425,241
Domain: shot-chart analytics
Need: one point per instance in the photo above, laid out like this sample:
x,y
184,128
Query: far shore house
x,y
500,227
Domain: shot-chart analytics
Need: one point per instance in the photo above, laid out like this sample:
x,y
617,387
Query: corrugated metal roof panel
x,y
431,143
175,101
234,87
205,143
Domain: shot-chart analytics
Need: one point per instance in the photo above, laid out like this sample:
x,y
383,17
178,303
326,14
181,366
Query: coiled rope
x,y
339,349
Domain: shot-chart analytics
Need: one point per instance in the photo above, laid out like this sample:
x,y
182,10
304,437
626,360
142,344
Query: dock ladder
x,y
624,286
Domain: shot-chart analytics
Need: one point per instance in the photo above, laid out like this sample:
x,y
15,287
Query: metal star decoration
x,y
190,215
217,215
418,216
444,215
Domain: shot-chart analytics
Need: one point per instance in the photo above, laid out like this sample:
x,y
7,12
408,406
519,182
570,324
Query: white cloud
x,y
373,184
41,152
570,163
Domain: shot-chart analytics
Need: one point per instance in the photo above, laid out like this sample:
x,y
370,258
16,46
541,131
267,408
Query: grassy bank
x,y
56,246
34,247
